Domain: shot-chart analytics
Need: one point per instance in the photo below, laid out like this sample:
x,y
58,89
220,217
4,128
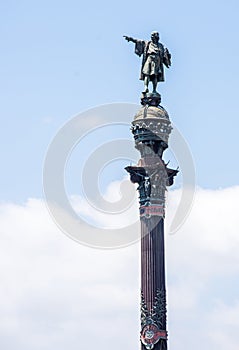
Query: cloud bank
x,y
57,294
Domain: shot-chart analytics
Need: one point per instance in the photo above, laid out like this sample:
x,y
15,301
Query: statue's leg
x,y
155,82
146,84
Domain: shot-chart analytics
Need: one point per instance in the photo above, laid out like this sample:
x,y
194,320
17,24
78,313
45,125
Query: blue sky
x,y
60,58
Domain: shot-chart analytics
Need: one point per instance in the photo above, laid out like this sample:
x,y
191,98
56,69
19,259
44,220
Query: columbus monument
x,y
151,128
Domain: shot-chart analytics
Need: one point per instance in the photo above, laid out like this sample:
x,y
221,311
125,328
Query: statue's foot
x,y
145,91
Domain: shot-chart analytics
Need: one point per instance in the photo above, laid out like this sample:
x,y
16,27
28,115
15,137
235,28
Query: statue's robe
x,y
142,47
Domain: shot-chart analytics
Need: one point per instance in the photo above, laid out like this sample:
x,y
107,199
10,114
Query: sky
x,y
59,59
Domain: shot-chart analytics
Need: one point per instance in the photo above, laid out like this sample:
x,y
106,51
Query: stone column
x,y
151,128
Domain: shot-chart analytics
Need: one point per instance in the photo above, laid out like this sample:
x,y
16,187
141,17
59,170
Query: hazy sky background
x,y
60,58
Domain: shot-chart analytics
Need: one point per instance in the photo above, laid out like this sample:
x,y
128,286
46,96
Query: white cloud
x,y
56,293
203,266
225,324
117,208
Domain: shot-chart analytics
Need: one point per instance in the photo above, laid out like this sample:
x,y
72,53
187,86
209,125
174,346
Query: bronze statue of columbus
x,y
155,56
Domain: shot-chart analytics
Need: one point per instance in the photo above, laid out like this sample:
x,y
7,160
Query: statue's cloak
x,y
141,48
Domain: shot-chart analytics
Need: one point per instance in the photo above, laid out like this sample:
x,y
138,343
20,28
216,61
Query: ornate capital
x,y
152,179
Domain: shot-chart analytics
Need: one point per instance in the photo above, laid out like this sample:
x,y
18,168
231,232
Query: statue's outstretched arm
x,y
129,38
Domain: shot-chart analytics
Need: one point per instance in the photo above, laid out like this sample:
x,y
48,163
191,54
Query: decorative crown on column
x,y
151,128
